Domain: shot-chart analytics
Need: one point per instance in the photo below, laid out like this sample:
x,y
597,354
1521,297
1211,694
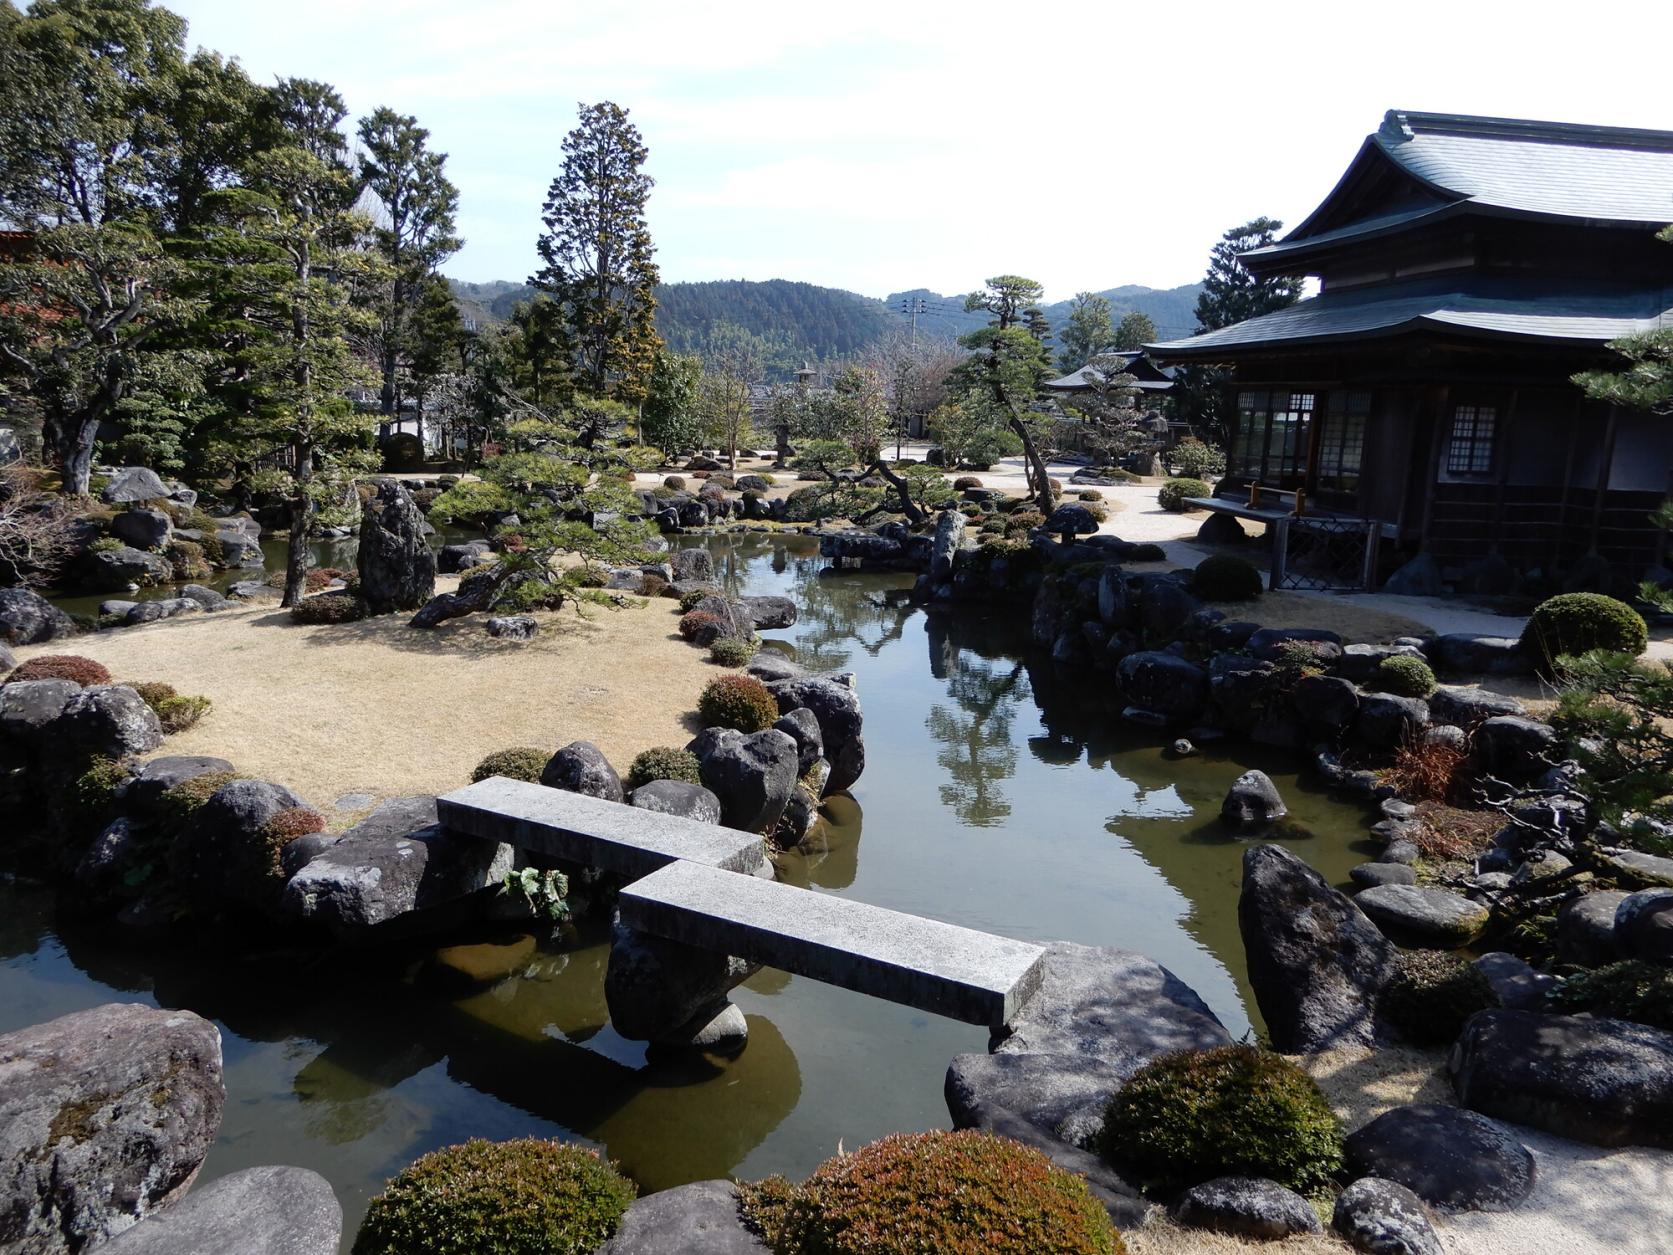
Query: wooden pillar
x,y
1603,473
1442,429
1568,480
1507,447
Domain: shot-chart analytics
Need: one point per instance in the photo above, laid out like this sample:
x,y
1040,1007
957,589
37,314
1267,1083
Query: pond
x,y
998,794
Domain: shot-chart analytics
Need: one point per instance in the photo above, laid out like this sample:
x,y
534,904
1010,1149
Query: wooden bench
x,y
960,973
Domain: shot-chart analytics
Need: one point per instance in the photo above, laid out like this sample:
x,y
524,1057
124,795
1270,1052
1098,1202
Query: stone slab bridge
x,y
700,912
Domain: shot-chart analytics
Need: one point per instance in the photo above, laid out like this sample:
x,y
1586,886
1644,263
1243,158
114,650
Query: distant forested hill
x,y
803,320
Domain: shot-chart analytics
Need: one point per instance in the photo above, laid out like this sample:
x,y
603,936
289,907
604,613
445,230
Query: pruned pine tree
x,y
282,267
598,259
414,230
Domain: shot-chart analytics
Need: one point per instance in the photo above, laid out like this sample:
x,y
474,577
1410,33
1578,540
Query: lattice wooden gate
x,y
1322,554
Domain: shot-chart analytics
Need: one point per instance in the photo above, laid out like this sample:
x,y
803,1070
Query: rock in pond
x,y
1384,1218
697,1219
1316,963
662,991
841,722
1173,688
397,867
1252,801
105,1116
27,618
580,767
1434,918
1454,1160
769,613
1247,1207
752,776
259,1211
1608,1082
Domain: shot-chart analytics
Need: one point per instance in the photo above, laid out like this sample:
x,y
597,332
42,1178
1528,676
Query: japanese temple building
x,y
1467,268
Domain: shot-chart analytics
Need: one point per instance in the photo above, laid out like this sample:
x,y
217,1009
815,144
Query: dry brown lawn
x,y
382,709
1356,625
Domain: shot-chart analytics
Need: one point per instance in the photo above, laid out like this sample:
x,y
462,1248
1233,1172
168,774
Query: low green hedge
x,y
1576,623
1173,492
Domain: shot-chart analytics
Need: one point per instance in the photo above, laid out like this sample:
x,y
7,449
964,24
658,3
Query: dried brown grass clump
x,y
1450,832
1425,771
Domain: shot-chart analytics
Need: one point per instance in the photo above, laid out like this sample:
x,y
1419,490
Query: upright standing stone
x,y
397,566
949,532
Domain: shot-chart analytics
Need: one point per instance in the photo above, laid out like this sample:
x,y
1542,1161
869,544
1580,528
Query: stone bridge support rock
x,y
672,994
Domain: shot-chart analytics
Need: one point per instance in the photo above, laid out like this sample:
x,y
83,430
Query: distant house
x,y
1153,381
1467,268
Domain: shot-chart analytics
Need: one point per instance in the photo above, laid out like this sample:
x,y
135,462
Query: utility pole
x,y
913,306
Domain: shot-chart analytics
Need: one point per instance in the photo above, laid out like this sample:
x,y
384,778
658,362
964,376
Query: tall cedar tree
x,y
1230,294
84,146
1088,330
414,232
283,266
598,253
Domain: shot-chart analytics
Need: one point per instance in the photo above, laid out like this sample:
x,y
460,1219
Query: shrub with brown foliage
x,y
335,607
175,712
965,1193
696,624
1427,771
83,671
652,585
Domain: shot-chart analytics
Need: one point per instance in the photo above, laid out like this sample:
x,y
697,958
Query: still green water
x,y
998,793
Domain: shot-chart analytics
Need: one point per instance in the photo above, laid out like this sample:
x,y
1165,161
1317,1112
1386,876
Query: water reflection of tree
x,y
835,614
978,750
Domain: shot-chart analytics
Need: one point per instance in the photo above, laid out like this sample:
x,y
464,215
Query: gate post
x,y
1280,551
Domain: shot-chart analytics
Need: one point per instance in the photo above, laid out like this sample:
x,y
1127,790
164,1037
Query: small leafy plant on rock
x,y
1431,994
1232,1111
521,1197
737,701
966,1193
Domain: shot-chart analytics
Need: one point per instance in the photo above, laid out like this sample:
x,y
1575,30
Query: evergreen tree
x,y
544,363
1134,331
1006,297
414,232
732,366
599,259
284,269
671,418
1087,331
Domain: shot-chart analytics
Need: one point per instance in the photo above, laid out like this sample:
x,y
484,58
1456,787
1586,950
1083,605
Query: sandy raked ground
x,y
382,709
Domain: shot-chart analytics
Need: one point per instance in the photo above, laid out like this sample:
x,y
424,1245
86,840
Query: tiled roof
x,y
1471,305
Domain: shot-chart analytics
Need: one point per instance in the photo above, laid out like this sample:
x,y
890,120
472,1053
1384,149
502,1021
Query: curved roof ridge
x,y
1400,125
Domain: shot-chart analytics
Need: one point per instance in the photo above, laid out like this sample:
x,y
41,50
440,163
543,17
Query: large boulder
x,y
753,776
1465,707
1327,704
949,536
1386,722
133,483
769,613
1094,1002
1454,1160
1586,928
1064,1096
1384,1218
28,709
697,1219
841,723
677,797
142,527
141,792
1603,1081
1427,917
105,1116
580,767
1514,748
664,991
1644,926
802,726
239,548
694,564
112,570
1252,801
1316,963
397,566
258,1211
1469,653
397,870
223,860
1166,685
109,720
1247,1207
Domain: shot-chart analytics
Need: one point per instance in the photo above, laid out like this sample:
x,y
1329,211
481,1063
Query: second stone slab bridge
x,y
700,912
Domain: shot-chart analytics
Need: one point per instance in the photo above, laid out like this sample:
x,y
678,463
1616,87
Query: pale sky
x,y
885,146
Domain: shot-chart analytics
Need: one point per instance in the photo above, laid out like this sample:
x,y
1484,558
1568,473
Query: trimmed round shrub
x,y
522,1197
183,801
338,607
729,651
652,585
83,671
175,712
689,600
965,1193
737,701
663,762
403,451
520,762
1090,494
1405,676
966,481
675,483
695,624
1431,994
1630,990
1171,495
1576,623
1226,577
1232,1111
